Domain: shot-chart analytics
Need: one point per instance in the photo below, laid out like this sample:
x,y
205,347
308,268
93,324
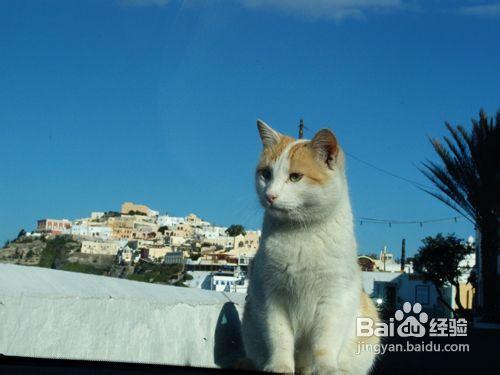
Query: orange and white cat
x,y
305,287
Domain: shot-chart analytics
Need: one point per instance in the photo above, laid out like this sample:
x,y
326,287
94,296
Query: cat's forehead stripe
x,y
303,160
271,154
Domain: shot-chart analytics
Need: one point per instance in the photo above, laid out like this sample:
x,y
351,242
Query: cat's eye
x,y
265,173
295,177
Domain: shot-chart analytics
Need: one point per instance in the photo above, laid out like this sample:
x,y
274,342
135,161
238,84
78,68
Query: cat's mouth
x,y
277,208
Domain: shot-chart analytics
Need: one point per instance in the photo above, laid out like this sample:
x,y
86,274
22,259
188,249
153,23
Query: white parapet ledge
x,y
56,314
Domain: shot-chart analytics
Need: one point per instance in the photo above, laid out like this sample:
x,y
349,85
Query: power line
x,y
382,170
389,173
390,222
306,128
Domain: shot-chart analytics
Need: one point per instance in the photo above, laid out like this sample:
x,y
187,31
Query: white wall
x,y
56,314
369,279
406,287
103,232
169,220
80,229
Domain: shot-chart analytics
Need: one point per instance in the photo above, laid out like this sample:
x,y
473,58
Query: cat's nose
x,y
271,198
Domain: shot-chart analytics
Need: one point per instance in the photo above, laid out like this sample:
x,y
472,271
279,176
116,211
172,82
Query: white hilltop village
x,y
138,232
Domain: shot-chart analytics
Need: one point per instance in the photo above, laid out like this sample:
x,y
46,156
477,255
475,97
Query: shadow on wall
x,y
206,283
228,348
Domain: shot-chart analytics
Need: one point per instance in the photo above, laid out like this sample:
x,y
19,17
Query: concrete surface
x,y
56,314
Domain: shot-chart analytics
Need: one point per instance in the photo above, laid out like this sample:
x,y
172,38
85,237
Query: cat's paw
x,y
309,370
327,370
278,368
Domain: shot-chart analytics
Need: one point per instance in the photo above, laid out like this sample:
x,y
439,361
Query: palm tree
x,y
468,181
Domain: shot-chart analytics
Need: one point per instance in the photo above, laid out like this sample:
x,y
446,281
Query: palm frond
x,y
449,190
468,180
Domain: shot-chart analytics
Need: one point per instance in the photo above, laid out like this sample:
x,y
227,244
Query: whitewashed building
x,y
80,228
128,255
100,231
229,282
88,229
96,215
169,221
387,263
211,232
395,288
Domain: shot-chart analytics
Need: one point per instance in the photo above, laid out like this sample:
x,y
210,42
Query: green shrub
x,y
83,268
55,251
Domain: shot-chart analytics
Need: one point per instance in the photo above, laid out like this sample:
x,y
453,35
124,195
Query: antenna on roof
x,y
301,129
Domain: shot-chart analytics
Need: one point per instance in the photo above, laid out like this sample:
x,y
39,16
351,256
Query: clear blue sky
x,y
155,102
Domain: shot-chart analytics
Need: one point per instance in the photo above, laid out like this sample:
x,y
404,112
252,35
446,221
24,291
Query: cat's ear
x,y
268,135
325,146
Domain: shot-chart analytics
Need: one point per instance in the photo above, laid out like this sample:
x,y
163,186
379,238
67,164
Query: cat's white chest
x,y
305,270
299,256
